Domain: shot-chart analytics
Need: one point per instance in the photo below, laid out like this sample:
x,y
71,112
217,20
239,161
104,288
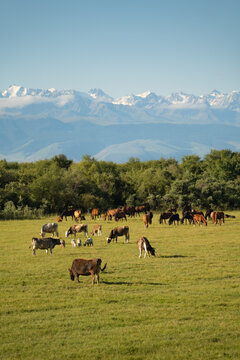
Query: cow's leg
x,y
77,278
97,278
50,250
145,249
93,278
34,251
140,251
47,251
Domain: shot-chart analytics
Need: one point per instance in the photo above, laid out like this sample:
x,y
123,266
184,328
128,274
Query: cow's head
x,y
62,241
59,219
68,232
72,277
109,240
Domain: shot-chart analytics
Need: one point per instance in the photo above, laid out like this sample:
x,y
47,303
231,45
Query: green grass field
x,y
182,304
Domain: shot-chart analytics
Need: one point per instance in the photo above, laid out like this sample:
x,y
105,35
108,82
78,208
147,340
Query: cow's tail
x,y
104,267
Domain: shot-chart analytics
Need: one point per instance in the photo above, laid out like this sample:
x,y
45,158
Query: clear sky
x,y
122,46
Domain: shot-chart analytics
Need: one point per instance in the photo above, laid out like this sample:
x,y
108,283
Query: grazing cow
x,y
86,267
88,242
45,244
120,215
119,231
164,216
198,218
49,228
73,243
173,219
97,229
144,244
142,209
187,216
147,219
79,242
66,213
128,210
77,229
95,213
77,215
110,213
218,216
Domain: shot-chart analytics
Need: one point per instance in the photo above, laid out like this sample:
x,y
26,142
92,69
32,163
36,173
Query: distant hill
x,y
37,124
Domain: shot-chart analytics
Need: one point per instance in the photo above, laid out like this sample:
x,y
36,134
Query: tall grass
x,y
182,304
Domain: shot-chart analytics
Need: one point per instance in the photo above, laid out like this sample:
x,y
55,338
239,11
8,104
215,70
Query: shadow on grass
x,y
130,283
172,256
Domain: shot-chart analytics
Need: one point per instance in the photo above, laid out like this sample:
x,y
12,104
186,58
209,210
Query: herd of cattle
x,y
93,266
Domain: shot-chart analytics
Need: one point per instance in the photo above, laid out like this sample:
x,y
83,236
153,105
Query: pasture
x,y
182,304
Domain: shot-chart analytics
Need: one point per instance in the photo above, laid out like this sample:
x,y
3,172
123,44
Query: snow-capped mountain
x,y
38,123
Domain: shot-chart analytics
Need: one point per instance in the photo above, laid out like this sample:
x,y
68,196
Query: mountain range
x,y
37,124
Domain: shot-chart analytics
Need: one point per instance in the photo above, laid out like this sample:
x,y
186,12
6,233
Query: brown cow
x,y
199,219
110,213
86,267
217,216
119,231
95,213
76,229
147,219
128,210
144,244
97,229
77,215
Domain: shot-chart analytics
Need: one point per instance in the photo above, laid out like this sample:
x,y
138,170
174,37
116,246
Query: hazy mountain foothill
x,y
37,124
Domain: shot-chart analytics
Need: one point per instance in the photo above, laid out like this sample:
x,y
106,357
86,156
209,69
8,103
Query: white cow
x,y
49,228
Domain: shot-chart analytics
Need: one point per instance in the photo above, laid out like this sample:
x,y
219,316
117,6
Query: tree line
x,y
33,189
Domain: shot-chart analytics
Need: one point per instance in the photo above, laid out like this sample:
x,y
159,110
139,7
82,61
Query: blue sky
x,y
122,46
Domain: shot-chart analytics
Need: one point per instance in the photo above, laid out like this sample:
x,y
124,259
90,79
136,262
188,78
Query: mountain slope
x,y
36,124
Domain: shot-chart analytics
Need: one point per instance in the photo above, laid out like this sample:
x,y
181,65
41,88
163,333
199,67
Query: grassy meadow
x,y
182,304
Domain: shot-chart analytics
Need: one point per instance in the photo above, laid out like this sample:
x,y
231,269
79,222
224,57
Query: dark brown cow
x,y
142,209
120,215
128,210
77,229
119,231
66,213
45,244
164,216
218,216
147,219
86,267
173,219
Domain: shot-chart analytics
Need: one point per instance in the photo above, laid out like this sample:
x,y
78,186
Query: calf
x,y
144,244
97,229
119,231
49,228
79,242
88,242
73,242
76,229
45,244
86,267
